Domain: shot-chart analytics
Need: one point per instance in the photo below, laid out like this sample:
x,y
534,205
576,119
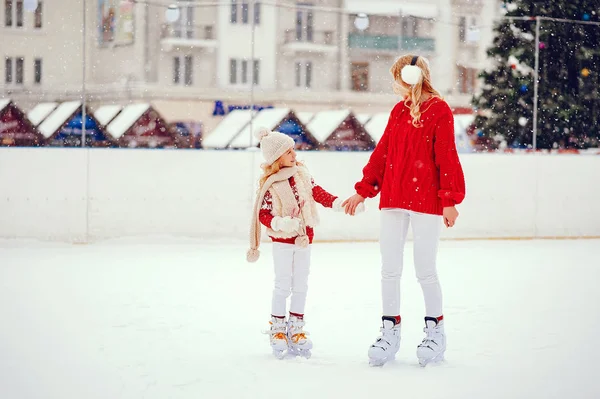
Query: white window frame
x,y
303,74
35,70
13,13
245,73
184,27
181,78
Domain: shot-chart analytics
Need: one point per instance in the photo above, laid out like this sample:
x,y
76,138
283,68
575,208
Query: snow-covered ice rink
x,y
181,318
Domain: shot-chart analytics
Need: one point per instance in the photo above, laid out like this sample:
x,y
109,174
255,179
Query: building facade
x,y
305,55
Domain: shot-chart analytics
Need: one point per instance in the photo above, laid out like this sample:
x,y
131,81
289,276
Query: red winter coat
x,y
416,168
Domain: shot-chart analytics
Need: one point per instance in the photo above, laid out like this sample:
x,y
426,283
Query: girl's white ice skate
x,y
432,349
299,344
386,346
278,337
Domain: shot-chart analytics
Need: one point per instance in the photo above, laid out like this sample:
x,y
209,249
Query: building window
x,y
184,26
208,33
8,70
304,74
360,76
8,12
410,27
257,13
233,71
183,70
176,70
304,24
244,71
38,16
189,69
462,29
467,80
19,69
234,8
245,12
37,71
19,13
256,72
298,74
14,14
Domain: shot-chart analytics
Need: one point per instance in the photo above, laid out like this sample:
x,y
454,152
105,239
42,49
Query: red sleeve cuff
x,y
366,190
448,202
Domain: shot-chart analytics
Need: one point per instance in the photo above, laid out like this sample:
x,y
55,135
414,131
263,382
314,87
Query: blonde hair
x,y
413,93
269,170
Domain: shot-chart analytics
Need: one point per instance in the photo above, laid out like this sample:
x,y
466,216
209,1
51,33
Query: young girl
x,y
286,206
416,169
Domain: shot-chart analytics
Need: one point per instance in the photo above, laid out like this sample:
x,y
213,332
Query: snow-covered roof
x,y
391,7
106,113
305,116
3,103
377,124
363,118
325,122
58,117
267,118
228,128
40,112
126,119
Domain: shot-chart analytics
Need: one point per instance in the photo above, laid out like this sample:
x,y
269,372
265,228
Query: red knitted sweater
x,y
320,195
414,168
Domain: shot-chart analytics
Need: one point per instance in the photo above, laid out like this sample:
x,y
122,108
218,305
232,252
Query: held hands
x,y
354,204
287,224
450,215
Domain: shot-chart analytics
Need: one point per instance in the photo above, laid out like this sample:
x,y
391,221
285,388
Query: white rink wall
x,y
77,195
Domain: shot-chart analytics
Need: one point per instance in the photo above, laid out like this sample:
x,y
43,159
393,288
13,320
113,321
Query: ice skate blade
x,y
435,360
305,353
380,362
279,354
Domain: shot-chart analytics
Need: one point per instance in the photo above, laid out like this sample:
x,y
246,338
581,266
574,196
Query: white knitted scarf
x,y
286,204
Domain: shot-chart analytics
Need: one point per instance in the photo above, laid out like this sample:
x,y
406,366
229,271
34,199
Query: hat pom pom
x,y
252,255
302,241
411,74
262,132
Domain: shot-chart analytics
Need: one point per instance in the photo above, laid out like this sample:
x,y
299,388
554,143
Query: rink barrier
x,y
87,195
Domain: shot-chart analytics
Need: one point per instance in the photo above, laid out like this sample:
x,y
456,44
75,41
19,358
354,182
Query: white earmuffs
x,y
411,74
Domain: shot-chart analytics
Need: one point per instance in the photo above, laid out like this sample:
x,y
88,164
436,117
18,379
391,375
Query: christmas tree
x,y
569,65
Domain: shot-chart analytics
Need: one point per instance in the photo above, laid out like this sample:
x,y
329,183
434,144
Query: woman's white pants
x,y
426,230
292,266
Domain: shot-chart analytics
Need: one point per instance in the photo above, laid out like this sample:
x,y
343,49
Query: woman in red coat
x,y
417,173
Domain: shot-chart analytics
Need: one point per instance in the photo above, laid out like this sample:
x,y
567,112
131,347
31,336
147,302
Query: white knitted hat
x,y
273,144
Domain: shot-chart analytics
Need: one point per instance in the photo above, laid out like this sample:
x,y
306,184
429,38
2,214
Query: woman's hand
x,y
351,203
450,215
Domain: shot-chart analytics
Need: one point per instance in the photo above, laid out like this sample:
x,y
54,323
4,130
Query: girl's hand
x,y
450,215
351,203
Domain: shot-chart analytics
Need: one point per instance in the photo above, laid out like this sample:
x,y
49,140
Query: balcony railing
x,y
190,32
389,43
309,36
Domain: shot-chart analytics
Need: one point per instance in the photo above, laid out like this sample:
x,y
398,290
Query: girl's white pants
x,y
292,266
426,230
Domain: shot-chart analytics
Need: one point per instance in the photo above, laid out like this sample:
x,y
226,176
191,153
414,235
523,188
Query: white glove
x,y
286,224
337,205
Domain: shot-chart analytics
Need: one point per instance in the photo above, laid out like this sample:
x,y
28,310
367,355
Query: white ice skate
x,y
432,349
278,337
386,346
299,344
